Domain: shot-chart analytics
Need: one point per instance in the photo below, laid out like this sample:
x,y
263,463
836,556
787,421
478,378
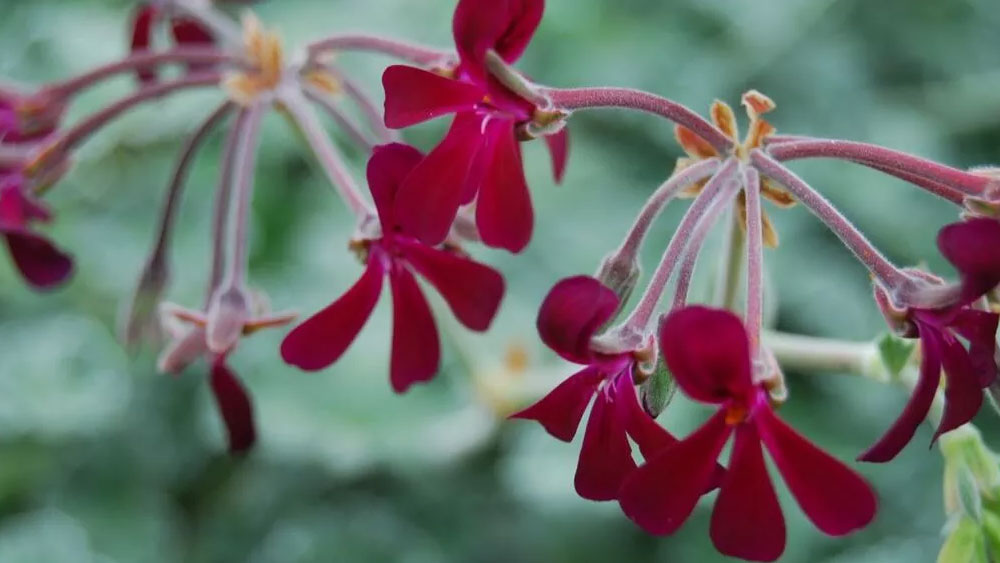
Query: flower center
x,y
263,50
737,413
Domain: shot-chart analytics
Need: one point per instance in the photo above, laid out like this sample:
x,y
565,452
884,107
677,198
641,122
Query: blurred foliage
x,y
101,459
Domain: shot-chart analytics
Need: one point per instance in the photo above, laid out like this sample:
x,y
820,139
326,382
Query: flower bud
x,y
657,392
619,273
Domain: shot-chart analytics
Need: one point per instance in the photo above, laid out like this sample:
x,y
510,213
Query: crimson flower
x,y
41,264
572,312
480,155
472,290
972,247
708,352
28,118
145,21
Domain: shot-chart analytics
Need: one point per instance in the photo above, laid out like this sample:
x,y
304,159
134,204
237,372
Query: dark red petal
x,y
833,496
428,200
561,410
503,210
980,329
708,352
747,521
416,351
963,393
558,145
902,431
662,493
234,406
41,264
503,25
606,455
971,246
646,432
323,338
388,166
143,21
571,313
523,17
472,290
189,32
413,95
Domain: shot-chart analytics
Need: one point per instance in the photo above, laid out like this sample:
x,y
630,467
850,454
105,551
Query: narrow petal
x,y
980,329
189,32
416,351
323,338
606,455
234,407
902,431
143,21
558,145
646,432
661,494
963,393
503,210
561,410
833,496
747,521
971,246
40,263
413,95
571,313
472,290
428,200
505,26
523,19
388,166
707,351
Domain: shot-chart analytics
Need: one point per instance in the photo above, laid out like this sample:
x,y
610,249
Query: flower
x,y
185,31
708,352
572,312
28,117
480,157
971,247
40,263
473,291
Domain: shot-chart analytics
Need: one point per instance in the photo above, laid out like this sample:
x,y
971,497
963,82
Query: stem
x,y
937,188
343,120
583,98
870,256
371,111
244,162
731,265
755,260
643,312
416,54
810,354
876,156
327,154
697,240
195,55
223,196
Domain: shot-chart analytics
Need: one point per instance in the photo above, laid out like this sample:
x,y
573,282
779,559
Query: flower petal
x,y
661,494
834,497
472,290
606,455
558,145
41,264
323,338
143,20
902,431
503,210
708,352
428,200
747,521
503,25
413,95
561,410
388,166
234,406
416,351
971,246
187,31
646,432
571,313
980,329
963,393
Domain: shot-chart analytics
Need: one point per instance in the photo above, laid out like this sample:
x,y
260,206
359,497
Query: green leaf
x,y
965,544
895,352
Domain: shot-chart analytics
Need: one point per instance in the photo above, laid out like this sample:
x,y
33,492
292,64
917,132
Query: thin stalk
x,y
755,260
937,188
371,111
697,240
891,276
416,54
809,354
223,197
343,120
244,163
606,97
731,264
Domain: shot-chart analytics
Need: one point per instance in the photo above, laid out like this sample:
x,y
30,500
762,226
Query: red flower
x,y
472,290
708,353
973,247
41,264
185,31
28,118
234,407
480,155
570,315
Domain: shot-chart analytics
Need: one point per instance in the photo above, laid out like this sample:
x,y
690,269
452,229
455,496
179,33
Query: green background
x,y
102,459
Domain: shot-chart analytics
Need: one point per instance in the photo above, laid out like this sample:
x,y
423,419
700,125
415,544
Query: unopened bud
x,y
619,273
657,392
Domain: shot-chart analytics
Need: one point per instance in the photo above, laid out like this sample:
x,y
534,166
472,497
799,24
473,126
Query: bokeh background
x,y
104,460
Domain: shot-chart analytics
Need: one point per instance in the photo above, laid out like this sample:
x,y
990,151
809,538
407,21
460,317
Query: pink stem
x,y
937,188
755,260
698,240
223,198
416,54
876,156
876,263
343,120
581,98
244,162
372,113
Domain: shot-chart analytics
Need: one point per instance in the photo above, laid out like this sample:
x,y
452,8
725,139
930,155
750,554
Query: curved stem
x,y
416,54
244,162
697,240
343,120
755,260
368,107
891,276
883,159
583,98
223,197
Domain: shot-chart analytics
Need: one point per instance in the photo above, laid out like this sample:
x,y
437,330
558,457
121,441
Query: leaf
x,y
895,352
965,544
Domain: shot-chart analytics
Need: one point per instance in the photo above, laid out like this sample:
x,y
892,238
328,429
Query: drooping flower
x,y
147,18
571,314
28,117
40,262
708,352
472,290
480,156
973,248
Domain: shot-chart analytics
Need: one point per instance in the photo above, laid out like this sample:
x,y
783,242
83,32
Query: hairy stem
x,y
343,120
223,197
244,163
368,107
697,240
605,97
416,54
755,260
